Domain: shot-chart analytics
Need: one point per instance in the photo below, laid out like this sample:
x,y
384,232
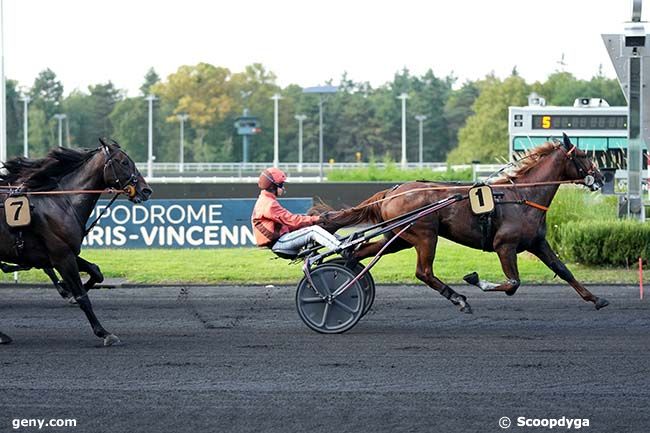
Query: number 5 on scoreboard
x,y
17,211
481,199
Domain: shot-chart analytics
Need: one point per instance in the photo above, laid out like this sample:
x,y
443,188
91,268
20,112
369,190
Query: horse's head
x,y
580,167
121,173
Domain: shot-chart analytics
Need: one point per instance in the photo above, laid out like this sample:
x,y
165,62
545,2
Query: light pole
x,y
67,131
300,118
276,147
320,91
26,99
150,98
60,118
403,97
420,118
3,99
182,117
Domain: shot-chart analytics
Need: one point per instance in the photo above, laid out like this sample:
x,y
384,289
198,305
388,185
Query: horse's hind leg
x,y
94,273
67,266
547,255
508,257
372,248
426,250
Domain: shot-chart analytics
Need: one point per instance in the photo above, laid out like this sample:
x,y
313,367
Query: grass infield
x,y
259,266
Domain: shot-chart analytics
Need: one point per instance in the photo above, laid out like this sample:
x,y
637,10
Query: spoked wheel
x,y
367,283
325,315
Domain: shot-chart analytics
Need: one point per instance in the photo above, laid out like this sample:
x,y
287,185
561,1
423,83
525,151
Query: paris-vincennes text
x,y
180,223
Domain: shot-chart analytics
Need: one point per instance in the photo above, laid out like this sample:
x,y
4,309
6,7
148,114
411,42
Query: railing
x,y
292,167
233,172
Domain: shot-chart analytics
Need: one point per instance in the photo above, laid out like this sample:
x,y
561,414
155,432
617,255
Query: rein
x,y
498,185
14,190
569,154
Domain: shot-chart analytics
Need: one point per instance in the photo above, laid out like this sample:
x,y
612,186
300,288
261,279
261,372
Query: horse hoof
x,y
110,340
511,292
5,339
471,278
466,309
72,300
601,303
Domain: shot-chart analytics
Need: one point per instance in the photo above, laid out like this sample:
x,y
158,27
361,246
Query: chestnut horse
x,y
517,224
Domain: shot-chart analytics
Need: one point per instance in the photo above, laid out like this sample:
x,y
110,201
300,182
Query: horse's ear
x,y
103,142
567,141
115,143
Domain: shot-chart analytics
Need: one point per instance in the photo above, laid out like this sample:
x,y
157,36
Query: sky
x,y
307,42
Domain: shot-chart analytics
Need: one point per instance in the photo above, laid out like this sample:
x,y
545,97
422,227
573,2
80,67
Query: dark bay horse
x,y
518,224
17,171
58,221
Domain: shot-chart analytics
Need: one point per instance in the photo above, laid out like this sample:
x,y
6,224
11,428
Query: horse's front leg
x,y
546,254
59,285
66,265
508,258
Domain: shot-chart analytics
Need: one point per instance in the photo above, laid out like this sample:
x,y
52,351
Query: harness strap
x,y
535,205
94,223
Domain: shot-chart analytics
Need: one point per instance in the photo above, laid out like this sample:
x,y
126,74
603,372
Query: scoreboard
x,y
598,129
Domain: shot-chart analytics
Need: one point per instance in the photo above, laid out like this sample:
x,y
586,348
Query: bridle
x,y
127,186
583,171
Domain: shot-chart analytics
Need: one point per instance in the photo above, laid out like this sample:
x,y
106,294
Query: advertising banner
x,y
196,223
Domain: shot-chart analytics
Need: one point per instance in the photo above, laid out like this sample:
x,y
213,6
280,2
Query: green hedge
x,y
574,204
605,242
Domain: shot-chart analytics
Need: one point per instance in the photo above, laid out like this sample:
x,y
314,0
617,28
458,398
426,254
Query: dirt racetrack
x,y
238,359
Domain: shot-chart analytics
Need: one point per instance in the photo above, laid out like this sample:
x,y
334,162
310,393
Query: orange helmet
x,y
271,177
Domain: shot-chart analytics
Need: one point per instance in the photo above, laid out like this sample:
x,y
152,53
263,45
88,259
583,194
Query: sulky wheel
x,y
324,315
367,283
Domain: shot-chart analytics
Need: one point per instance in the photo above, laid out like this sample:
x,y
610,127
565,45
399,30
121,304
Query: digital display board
x,y
563,121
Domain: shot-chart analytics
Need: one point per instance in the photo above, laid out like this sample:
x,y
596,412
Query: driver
x,y
276,227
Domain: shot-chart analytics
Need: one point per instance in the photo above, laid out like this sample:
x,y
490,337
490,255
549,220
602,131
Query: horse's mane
x,y
44,173
531,159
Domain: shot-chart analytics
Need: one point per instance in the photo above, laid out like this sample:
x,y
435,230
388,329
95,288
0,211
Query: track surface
x,y
231,359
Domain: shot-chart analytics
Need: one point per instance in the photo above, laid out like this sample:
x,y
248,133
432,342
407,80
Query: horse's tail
x,y
368,211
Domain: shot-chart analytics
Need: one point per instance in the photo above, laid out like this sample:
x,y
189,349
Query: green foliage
x,y
457,109
484,137
391,172
464,124
574,204
618,242
150,78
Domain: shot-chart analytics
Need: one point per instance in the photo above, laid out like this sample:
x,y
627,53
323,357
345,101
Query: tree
x,y
150,78
458,108
203,92
78,106
103,98
484,137
14,118
129,119
47,93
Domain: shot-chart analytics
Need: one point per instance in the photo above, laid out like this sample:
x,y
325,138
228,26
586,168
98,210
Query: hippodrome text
x,y
209,223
